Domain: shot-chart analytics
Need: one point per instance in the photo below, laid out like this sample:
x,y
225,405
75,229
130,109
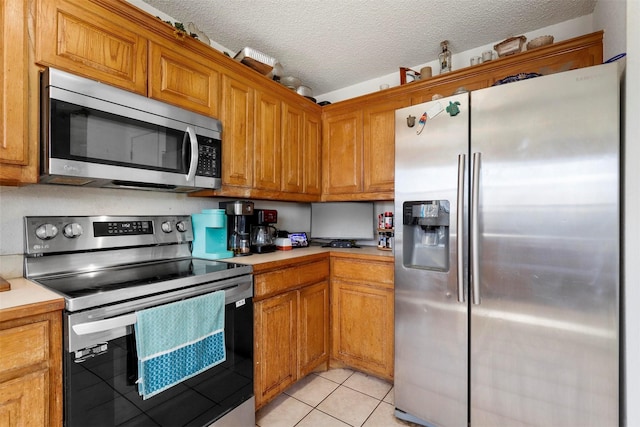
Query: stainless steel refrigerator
x,y
507,254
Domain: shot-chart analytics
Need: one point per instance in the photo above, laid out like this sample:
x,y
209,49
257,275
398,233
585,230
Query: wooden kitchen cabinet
x,y
271,144
237,118
267,155
31,368
85,39
291,312
359,152
313,327
293,134
342,155
18,95
301,148
312,155
276,345
184,79
358,134
379,147
362,316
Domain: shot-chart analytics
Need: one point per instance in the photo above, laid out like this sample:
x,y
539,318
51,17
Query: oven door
x,y
100,368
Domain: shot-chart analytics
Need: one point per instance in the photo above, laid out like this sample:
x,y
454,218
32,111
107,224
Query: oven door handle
x,y
105,324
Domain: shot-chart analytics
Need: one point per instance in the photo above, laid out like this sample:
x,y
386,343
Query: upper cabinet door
x,y
237,118
379,145
342,153
19,100
266,154
184,79
312,154
292,148
85,39
14,63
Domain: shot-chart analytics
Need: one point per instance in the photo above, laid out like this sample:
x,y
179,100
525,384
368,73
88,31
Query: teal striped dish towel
x,y
179,340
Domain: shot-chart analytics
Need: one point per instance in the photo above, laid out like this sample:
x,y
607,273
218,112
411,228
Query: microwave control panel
x,y
208,157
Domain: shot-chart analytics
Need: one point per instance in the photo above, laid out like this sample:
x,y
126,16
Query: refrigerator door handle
x,y
460,226
475,259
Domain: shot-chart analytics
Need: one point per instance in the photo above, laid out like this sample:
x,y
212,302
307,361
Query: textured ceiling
x,y
332,44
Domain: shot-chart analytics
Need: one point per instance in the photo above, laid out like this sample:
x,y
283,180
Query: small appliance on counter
x,y
262,230
239,214
210,234
283,244
283,241
298,239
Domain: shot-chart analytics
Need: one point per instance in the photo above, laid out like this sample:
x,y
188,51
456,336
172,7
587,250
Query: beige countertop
x,y
277,256
26,297
25,294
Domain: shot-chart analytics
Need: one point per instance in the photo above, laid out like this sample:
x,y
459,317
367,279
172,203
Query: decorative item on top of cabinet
x,y
407,75
444,57
509,46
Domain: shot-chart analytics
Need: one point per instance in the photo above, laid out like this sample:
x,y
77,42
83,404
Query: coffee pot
x,y
262,238
239,215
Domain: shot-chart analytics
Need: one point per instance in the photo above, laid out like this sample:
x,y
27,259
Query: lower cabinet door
x,y
276,345
24,400
313,327
362,326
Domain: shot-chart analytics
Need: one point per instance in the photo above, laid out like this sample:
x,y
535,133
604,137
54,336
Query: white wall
x,y
610,15
140,4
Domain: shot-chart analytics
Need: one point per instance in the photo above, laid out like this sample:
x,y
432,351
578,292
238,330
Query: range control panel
x,y
53,234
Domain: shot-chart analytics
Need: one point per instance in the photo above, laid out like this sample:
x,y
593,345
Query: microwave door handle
x,y
105,324
193,163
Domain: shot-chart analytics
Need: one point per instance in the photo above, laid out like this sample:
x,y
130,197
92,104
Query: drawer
x,y
24,345
362,271
279,281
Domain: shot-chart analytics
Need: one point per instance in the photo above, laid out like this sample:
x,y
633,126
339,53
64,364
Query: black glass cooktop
x,y
132,276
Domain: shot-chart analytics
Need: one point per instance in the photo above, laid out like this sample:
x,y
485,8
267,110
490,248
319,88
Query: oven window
x,y
90,135
101,391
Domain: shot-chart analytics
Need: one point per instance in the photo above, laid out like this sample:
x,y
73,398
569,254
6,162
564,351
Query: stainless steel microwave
x,y
96,135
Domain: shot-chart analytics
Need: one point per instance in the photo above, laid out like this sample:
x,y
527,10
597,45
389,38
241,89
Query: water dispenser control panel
x,y
426,234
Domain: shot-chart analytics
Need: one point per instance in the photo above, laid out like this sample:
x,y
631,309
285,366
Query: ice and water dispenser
x,y
426,234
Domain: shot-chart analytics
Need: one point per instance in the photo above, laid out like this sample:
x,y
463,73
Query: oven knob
x,y
166,227
47,231
181,226
72,230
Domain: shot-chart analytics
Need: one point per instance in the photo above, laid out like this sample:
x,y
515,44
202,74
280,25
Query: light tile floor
x,y
335,398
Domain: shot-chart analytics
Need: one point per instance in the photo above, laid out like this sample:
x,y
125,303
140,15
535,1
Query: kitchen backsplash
x,y
17,202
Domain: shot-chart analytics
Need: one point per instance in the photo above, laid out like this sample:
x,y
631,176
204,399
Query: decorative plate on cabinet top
x,y
516,78
510,46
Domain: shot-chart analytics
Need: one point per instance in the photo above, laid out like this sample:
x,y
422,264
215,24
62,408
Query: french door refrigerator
x,y
507,256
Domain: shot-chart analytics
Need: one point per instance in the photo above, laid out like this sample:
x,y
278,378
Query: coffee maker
x,y
263,233
239,219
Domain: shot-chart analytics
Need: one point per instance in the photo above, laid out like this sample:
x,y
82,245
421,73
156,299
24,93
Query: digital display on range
x,y
122,228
